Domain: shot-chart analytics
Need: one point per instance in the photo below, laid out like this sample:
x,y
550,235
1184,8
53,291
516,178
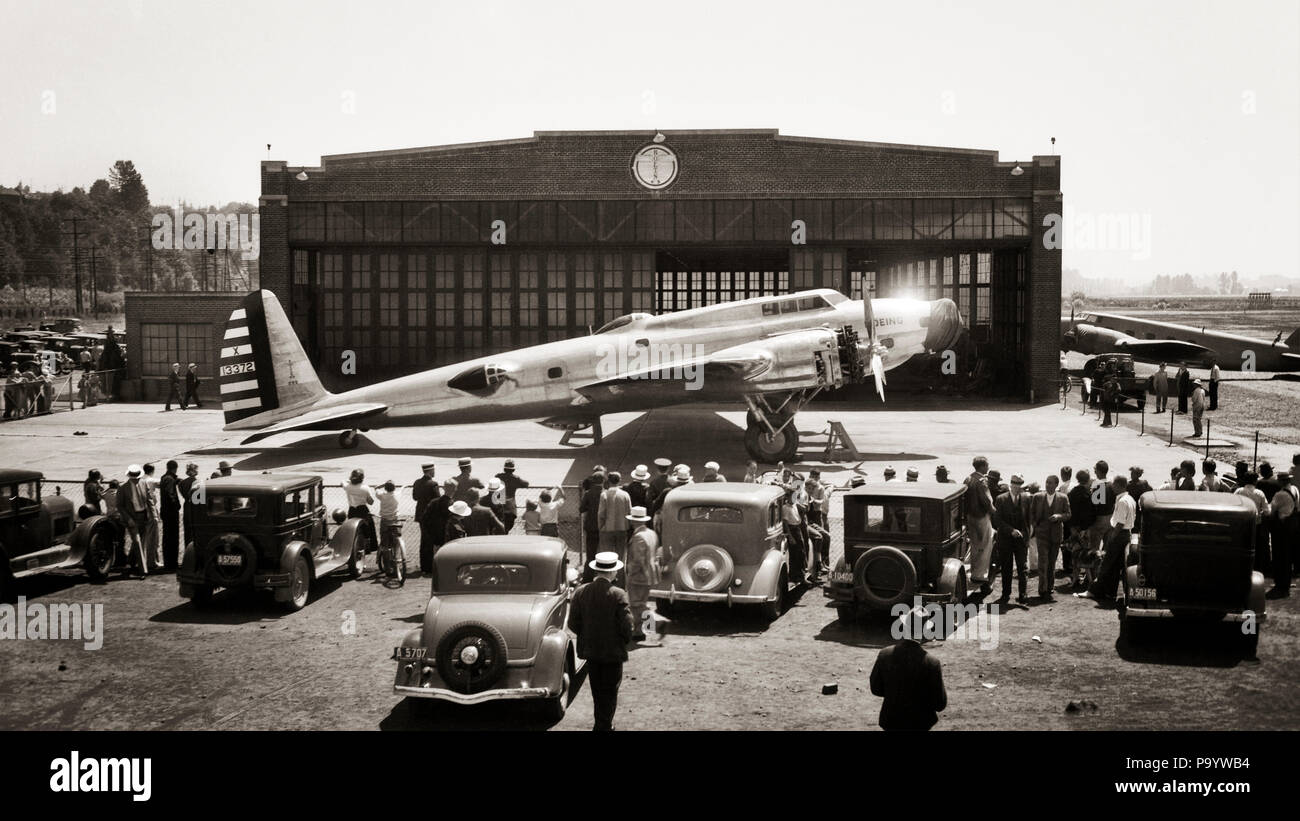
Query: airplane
x,y
1095,333
775,352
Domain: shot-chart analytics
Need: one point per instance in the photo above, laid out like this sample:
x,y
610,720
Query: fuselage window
x,y
554,373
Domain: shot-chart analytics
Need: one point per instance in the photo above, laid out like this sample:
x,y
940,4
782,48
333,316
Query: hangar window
x,y
307,221
852,219
934,219
694,220
892,219
420,222
344,221
643,269
557,314
471,318
947,272
654,220
973,219
473,270
460,222
389,350
537,221
383,221
772,220
733,220
576,221
166,342
1011,218
617,221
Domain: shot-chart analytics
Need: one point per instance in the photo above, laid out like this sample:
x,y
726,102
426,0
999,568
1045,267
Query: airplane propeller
x,y
876,349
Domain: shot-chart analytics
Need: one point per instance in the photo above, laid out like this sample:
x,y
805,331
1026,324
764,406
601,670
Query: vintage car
x,y
39,533
1132,388
496,627
901,540
268,531
1194,559
724,542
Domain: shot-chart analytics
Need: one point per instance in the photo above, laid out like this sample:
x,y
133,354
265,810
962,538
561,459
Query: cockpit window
x,y
814,302
615,324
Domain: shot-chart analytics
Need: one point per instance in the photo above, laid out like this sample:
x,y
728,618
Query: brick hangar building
x,y
420,257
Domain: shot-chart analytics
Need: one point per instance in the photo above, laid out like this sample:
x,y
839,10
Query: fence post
x,y
1207,437
1171,429
1255,461
1142,408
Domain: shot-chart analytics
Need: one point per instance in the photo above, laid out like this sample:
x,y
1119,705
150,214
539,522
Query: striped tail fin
x,y
265,375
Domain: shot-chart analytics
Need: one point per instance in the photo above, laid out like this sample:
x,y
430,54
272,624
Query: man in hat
x,y
1284,527
457,516
909,679
187,487
601,618
658,484
436,521
174,387
134,506
611,512
169,506
913,475
1136,487
424,491
496,501
1160,384
512,483
223,469
153,529
1198,407
890,473
1184,384
192,387
979,507
1012,516
941,475
638,490
712,473
465,482
1214,384
589,508
642,566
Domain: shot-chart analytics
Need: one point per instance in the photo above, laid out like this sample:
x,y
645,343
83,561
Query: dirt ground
x,y
242,664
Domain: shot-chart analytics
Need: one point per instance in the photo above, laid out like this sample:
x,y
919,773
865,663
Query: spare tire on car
x,y
884,576
232,560
471,657
705,568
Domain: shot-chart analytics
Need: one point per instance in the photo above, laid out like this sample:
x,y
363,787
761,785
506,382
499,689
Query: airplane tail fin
x,y
264,372
1293,341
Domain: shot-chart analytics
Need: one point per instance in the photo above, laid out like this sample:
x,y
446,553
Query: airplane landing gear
x,y
348,439
770,449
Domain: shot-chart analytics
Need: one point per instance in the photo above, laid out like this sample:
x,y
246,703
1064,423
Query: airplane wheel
x,y
348,439
783,447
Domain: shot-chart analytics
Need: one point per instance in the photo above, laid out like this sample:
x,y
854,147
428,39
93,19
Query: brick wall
x,y
1044,299
193,307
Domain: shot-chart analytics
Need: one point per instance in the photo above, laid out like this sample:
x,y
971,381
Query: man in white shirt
x,y
1284,526
1214,385
1260,501
1121,528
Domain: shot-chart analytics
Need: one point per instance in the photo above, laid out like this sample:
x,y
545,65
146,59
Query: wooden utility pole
x,y
76,259
94,281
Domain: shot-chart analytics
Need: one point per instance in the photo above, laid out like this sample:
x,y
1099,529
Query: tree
x,y
128,185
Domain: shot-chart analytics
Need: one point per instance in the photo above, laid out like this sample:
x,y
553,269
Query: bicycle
x,y
392,552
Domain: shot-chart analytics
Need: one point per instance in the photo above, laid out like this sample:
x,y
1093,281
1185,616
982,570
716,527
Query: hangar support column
x,y
1044,299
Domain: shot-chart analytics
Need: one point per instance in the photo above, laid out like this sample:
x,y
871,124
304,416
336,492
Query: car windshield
x,y
241,506
893,518
494,576
714,514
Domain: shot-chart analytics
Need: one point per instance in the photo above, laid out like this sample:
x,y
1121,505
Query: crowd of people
x,y
28,391
1086,518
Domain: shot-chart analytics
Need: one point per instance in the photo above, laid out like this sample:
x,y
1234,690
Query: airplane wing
x,y
1161,350
334,418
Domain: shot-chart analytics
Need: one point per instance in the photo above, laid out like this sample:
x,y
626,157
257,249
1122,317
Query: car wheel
x,y
884,577
1250,643
1133,631
299,585
100,554
959,594
772,610
557,706
471,657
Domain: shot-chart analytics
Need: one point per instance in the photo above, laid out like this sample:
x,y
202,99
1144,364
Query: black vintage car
x,y
39,532
1132,388
1193,561
901,539
268,531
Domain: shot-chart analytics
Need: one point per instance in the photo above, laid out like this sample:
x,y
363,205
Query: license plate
x,y
230,560
1143,594
409,653
842,578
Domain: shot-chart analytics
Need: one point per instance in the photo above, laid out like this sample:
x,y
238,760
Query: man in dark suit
x,y
1051,510
909,679
174,387
602,620
658,484
1011,522
169,503
191,387
424,491
589,507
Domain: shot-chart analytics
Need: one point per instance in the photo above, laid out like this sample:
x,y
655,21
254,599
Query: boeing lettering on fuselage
x,y
774,353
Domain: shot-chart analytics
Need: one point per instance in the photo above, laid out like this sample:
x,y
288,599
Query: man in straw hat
x,y
638,490
642,566
602,620
909,679
134,504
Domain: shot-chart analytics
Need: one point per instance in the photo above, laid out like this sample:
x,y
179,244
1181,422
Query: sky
x,y
1178,120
